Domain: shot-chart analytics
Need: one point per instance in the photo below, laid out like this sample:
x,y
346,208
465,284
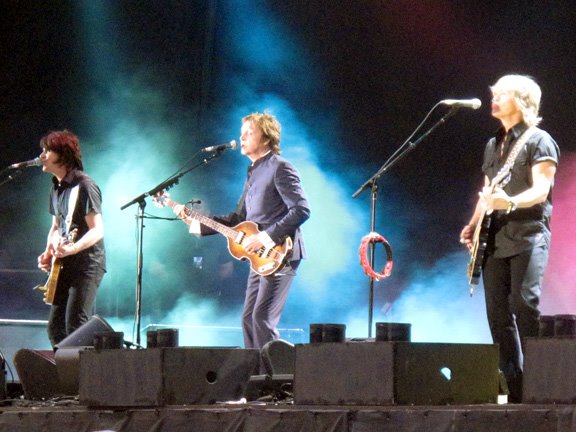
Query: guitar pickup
x,y
240,237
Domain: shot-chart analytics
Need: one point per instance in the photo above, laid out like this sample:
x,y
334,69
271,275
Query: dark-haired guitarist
x,y
76,206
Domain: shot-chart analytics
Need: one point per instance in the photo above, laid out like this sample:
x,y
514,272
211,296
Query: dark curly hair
x,y
66,145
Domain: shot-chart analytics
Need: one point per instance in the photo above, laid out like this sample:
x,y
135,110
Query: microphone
x,y
231,145
27,164
465,103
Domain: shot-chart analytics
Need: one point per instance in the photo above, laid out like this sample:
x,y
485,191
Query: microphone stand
x,y
141,200
9,177
397,156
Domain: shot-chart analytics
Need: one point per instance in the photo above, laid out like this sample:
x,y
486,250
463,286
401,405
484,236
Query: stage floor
x,y
67,415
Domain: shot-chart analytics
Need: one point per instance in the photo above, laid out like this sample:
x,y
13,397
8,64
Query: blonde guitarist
x,y
519,206
76,207
274,201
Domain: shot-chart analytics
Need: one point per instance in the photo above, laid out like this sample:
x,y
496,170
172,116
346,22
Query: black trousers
x,y
512,288
74,300
263,305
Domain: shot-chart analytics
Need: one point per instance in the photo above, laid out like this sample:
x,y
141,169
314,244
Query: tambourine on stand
x,y
367,240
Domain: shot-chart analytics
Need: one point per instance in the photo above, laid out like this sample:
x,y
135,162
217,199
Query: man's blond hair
x,y
526,92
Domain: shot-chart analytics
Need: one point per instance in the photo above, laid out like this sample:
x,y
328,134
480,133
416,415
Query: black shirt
x,y
524,228
89,201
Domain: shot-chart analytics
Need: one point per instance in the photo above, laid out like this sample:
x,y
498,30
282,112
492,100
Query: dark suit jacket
x,y
273,198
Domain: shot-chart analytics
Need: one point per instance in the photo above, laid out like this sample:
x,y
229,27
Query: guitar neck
x,y
479,225
205,220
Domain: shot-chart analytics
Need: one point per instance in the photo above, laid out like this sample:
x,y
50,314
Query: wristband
x,y
511,206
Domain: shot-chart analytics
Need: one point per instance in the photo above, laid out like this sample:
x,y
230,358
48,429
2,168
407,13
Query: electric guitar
x,y
49,287
480,237
478,250
265,261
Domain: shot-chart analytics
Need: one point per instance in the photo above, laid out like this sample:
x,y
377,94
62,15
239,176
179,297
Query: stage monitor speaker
x,y
165,376
278,357
84,335
549,370
38,374
383,373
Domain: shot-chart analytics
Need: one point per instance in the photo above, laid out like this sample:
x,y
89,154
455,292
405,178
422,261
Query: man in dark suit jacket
x,y
273,198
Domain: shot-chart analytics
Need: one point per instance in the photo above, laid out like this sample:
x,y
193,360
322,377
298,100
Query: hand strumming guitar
x,y
45,261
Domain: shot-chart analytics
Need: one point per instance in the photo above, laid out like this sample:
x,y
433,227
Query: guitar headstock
x,y
161,199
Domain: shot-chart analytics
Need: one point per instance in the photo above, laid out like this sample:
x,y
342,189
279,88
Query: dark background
x,y
147,84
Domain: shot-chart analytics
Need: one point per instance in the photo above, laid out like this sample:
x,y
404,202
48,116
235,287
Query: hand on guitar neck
x,y
467,236
180,212
245,240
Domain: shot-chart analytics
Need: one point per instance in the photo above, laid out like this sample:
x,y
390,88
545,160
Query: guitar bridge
x,y
264,268
263,252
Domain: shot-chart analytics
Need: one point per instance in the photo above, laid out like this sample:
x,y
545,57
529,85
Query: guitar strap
x,y
505,173
72,199
240,204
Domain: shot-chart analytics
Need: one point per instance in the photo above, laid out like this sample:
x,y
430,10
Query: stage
x,y
336,387
67,415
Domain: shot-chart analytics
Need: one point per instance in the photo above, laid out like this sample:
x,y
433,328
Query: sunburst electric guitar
x,y
49,287
265,261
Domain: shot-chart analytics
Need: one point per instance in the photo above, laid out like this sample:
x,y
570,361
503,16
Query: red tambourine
x,y
363,252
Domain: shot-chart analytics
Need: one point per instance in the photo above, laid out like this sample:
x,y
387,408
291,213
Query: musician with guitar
x,y
74,254
509,233
266,227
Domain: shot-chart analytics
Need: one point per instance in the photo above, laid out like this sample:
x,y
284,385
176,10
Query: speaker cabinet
x,y
549,370
165,376
382,373
344,374
439,374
